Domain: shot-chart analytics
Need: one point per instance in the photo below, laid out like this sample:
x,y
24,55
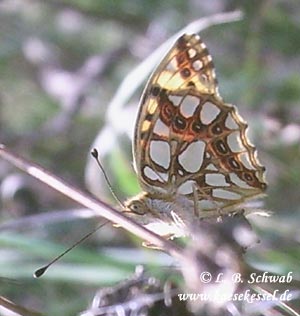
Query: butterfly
x,y
191,152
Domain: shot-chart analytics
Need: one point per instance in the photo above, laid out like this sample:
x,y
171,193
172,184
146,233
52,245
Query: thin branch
x,y
90,202
17,308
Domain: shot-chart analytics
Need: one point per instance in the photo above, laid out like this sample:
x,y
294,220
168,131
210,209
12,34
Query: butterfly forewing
x,y
187,140
187,68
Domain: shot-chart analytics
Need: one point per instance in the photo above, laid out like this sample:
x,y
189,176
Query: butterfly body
x,y
159,206
191,152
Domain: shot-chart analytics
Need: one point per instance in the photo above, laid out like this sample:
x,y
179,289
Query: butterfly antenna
x,y
95,155
39,272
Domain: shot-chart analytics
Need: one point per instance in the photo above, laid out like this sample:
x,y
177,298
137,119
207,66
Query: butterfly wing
x,y
187,140
188,56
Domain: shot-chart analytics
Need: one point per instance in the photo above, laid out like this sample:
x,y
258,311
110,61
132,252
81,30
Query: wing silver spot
x,y
192,158
230,122
244,158
211,167
208,113
152,175
192,52
175,99
234,142
161,129
160,153
236,180
224,194
149,173
188,105
197,65
186,187
216,179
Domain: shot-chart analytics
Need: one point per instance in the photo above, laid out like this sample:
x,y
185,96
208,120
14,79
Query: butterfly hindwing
x,y
187,140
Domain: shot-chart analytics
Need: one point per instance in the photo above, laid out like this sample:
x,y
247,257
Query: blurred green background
x,y
61,63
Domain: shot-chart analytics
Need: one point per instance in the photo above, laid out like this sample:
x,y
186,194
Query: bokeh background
x,y
63,66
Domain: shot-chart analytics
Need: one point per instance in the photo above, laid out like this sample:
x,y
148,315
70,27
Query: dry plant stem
x,y
16,308
90,202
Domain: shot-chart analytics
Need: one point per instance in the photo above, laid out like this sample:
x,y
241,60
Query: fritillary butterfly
x,y
192,155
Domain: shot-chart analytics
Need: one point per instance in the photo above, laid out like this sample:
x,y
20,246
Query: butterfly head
x,y
155,214
139,208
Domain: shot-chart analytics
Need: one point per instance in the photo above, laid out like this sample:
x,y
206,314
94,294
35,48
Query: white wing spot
x,y
161,129
234,142
188,105
211,167
216,179
236,180
208,113
175,99
163,176
244,157
230,122
192,52
149,173
192,158
224,194
152,175
160,153
186,187
197,65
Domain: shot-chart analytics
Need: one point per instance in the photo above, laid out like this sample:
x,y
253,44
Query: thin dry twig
x,y
90,202
4,302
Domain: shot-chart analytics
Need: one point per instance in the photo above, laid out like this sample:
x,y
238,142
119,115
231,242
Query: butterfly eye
x,y
138,207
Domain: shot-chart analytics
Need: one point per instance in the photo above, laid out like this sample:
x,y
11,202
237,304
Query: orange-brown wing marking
x,y
186,137
186,69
